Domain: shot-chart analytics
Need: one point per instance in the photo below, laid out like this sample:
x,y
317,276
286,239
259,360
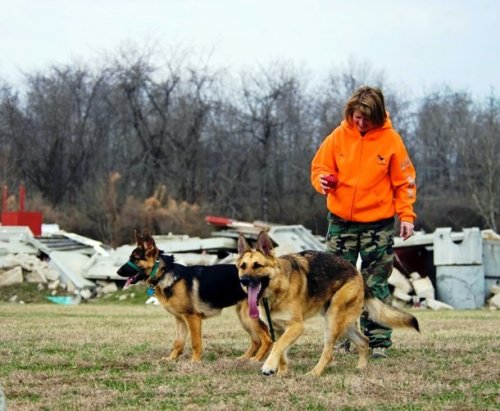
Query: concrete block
x,y
11,277
438,305
401,295
466,252
398,280
461,286
415,276
495,301
424,288
36,276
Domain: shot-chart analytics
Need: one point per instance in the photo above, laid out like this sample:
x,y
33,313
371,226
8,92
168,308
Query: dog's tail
x,y
388,315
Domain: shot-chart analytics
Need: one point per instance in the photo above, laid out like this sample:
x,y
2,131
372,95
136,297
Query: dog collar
x,y
152,276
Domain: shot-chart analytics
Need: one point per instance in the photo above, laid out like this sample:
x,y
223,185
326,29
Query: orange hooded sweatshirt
x,y
376,178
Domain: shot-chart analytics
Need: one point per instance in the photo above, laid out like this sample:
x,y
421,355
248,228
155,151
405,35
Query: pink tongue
x,y
127,283
252,301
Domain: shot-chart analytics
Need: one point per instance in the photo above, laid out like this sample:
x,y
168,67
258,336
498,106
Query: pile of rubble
x,y
69,268
420,292
415,290
26,268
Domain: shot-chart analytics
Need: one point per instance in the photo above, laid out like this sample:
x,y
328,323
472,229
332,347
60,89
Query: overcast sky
x,y
418,44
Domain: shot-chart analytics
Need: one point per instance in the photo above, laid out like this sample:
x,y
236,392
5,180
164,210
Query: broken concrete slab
x,y
438,305
85,293
398,280
424,289
401,295
294,239
36,276
11,277
191,244
494,301
70,266
18,247
109,288
195,259
8,232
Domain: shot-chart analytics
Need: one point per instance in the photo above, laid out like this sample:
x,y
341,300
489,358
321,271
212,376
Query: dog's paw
x,y
268,370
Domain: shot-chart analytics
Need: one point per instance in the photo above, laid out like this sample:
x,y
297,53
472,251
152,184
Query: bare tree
x,y
10,115
56,134
264,96
163,114
239,149
479,168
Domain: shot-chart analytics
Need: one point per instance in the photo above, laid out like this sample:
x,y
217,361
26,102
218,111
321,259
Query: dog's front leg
x,y
248,325
277,359
260,340
194,324
180,339
265,341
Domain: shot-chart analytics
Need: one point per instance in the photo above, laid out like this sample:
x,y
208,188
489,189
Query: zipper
x,y
357,179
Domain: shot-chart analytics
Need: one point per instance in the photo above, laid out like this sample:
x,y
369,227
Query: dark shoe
x,y
379,352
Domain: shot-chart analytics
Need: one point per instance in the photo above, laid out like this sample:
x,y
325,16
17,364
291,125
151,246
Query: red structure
x,y
32,219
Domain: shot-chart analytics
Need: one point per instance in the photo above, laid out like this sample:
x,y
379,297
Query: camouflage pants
x,y
373,242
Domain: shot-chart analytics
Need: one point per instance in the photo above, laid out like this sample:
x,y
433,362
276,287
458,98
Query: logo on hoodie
x,y
381,160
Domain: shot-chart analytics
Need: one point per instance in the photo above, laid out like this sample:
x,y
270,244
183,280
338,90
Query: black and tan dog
x,y
297,286
192,294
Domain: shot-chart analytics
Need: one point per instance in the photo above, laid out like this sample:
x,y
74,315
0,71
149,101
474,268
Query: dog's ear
x,y
138,238
243,246
149,242
264,244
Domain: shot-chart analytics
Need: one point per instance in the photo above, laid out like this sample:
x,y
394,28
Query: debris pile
x,y
494,301
69,268
416,291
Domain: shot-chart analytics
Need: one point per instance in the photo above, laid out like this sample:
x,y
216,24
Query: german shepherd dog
x,y
297,286
192,294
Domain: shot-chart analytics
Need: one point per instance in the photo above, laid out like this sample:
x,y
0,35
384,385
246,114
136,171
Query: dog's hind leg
x,y
194,324
344,310
361,343
333,330
180,339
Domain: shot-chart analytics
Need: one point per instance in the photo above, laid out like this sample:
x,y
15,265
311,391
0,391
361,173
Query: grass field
x,y
106,357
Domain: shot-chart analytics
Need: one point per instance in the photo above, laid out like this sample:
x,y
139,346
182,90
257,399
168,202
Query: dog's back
x,y
327,273
217,285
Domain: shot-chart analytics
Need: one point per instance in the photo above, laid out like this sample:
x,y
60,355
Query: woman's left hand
x,y
406,230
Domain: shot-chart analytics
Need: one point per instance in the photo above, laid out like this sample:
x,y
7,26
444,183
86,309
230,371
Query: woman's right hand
x,y
328,182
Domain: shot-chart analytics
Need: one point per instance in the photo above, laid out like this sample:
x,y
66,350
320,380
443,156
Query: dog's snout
x,y
126,271
248,281
245,281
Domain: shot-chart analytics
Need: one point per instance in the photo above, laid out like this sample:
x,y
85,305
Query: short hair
x,y
370,102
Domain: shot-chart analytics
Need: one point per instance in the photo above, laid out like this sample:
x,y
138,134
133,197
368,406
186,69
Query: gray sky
x,y
418,44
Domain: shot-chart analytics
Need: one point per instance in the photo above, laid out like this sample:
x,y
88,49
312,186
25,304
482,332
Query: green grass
x,y
99,356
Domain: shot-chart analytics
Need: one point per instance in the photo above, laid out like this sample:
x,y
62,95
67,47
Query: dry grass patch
x,y
106,357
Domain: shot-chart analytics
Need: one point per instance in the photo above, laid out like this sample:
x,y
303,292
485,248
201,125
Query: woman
x,y
364,170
